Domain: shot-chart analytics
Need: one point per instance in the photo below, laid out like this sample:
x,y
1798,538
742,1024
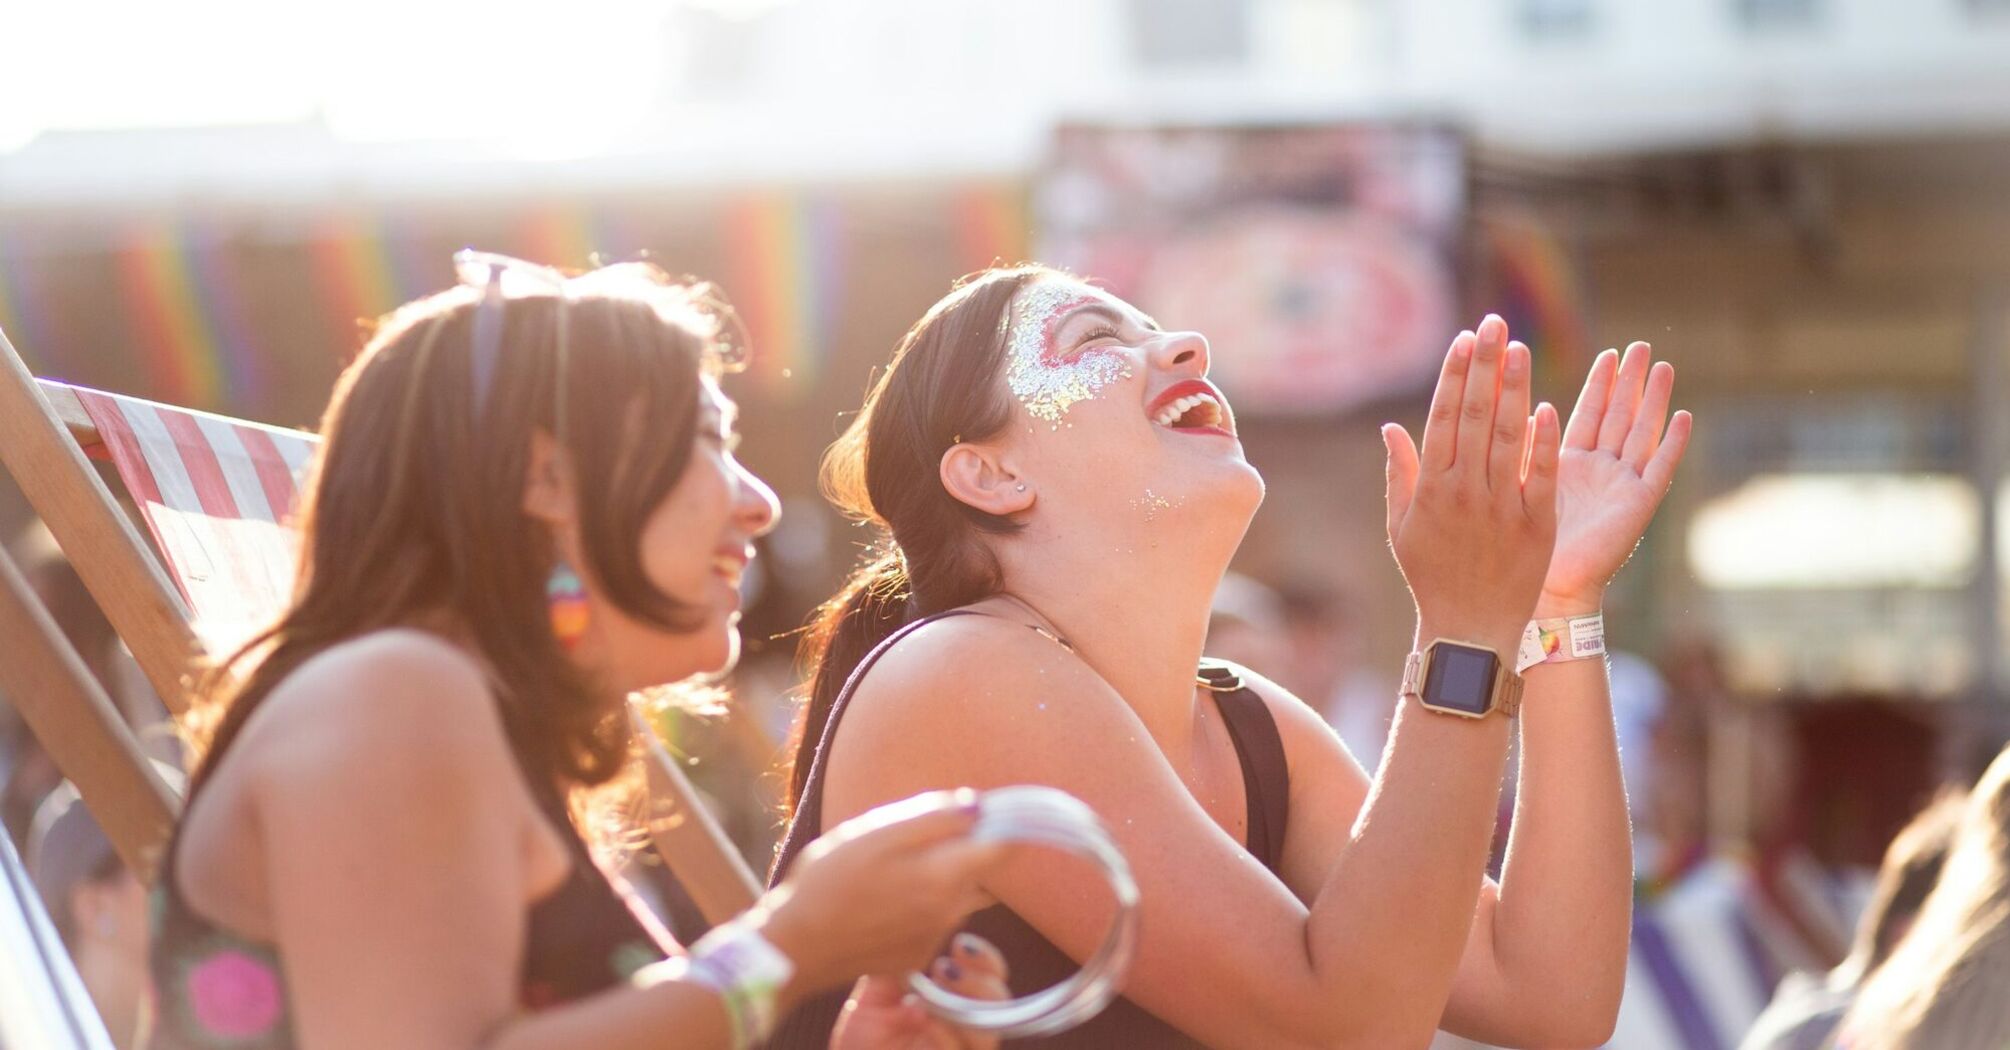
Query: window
x,y
1170,33
1554,19
1765,15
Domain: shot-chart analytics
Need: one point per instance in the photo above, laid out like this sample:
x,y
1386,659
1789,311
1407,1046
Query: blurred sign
x,y
1318,261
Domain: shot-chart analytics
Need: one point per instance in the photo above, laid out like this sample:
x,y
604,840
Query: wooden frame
x,y
44,432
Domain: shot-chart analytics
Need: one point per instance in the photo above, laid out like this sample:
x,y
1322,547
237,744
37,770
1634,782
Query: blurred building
x,y
1801,202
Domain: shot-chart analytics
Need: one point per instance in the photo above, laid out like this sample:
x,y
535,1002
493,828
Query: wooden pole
x,y
109,553
690,842
80,728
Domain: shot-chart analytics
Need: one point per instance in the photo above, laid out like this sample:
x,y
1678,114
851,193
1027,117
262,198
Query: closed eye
x,y
1101,331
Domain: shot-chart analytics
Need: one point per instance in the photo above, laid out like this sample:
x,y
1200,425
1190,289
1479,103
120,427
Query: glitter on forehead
x,y
1047,387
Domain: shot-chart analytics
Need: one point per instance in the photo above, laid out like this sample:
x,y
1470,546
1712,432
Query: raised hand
x,y
1619,456
1472,519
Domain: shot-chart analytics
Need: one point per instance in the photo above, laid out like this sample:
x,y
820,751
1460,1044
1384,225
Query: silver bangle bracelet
x,y
1051,817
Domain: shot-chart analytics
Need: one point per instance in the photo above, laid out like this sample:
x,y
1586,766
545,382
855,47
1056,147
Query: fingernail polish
x,y
952,972
965,944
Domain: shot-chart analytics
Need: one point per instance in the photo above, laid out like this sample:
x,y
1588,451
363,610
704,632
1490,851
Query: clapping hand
x,y
1619,455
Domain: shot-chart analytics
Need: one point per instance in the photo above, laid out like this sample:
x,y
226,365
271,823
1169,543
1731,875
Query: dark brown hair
x,y
944,385
413,509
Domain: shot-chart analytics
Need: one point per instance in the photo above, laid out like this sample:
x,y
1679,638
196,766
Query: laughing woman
x,y
526,507
1063,489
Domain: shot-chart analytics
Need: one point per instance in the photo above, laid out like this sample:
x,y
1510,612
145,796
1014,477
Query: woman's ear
x,y
547,484
976,475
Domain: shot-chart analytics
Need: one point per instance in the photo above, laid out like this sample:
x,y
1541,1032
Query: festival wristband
x,y
1560,639
747,972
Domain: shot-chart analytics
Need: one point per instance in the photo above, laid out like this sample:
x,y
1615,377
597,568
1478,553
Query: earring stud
x,y
1022,486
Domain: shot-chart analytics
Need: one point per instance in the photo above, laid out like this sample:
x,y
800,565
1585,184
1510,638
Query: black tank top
x,y
1035,961
212,988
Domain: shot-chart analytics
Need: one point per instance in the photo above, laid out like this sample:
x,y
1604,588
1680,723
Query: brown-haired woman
x,y
1947,984
1064,490
525,507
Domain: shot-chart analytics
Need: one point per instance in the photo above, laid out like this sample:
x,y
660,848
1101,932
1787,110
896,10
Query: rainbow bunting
x,y
166,320
18,318
219,295
1542,296
355,275
785,259
991,226
560,235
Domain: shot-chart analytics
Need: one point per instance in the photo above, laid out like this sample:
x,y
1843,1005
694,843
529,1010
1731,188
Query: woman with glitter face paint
x,y
1064,489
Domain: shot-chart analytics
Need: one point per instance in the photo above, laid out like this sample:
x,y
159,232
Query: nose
x,y
755,507
1181,353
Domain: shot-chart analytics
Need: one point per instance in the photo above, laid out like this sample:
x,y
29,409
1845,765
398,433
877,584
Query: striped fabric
x,y
1708,952
216,493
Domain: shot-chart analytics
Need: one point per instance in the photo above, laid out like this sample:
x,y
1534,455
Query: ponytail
x,y
874,603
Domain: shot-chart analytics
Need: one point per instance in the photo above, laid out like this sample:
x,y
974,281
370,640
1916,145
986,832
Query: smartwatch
x,y
1462,678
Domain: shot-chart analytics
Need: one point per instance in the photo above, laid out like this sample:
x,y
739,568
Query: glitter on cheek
x,y
1047,387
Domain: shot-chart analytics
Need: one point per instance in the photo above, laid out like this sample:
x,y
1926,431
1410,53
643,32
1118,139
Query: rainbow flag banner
x,y
166,320
1541,295
784,272
355,273
992,225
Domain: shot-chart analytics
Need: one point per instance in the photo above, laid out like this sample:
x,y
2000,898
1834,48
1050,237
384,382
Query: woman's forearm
x,y
1391,922
1562,921
656,1011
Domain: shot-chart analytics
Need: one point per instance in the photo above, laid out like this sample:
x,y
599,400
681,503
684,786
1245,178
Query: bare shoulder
x,y
973,701
389,705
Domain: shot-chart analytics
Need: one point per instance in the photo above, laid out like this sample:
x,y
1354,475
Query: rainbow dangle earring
x,y
565,600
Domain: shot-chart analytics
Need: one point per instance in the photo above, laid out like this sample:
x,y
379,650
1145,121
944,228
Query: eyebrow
x,y
1105,310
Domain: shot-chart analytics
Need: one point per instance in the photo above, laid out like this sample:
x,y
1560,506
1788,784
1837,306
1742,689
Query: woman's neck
x,y
1142,631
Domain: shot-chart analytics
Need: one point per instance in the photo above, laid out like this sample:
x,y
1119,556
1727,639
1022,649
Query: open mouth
x,y
1191,406
731,566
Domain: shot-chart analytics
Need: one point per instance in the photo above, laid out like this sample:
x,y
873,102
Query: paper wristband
x,y
1565,638
746,972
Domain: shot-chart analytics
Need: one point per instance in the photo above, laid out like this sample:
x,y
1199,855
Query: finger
x,y
1482,394
1510,431
1590,411
1625,398
927,818
1538,493
952,976
1527,445
1402,474
1441,427
978,956
1659,472
881,990
1645,436
957,868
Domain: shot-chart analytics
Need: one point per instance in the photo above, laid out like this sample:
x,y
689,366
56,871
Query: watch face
x,y
1461,678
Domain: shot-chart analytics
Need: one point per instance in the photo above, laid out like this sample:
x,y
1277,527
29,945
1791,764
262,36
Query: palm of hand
x,y
1619,456
1603,507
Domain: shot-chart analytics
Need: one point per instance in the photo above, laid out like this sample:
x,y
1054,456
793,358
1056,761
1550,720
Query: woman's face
x,y
695,547
1116,422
